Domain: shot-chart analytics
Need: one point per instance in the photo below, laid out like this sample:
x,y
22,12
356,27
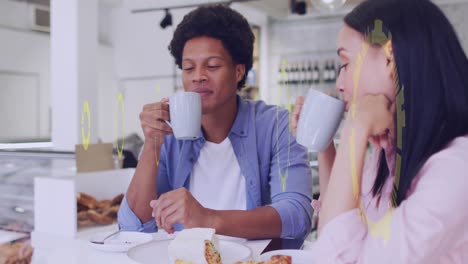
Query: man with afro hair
x,y
245,175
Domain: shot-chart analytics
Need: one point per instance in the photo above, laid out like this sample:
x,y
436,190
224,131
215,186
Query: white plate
x,y
156,252
232,239
121,242
298,256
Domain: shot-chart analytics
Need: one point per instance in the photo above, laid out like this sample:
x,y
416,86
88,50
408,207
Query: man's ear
x,y
240,72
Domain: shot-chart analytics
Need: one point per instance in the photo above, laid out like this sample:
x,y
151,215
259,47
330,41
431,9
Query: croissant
x,y
99,218
86,200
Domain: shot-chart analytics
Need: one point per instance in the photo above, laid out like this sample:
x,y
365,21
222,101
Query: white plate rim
x,y
247,258
225,242
143,238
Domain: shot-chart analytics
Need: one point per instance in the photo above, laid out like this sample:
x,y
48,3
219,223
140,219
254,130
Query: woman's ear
x,y
240,72
388,48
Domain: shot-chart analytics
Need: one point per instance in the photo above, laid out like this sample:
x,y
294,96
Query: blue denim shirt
x,y
266,151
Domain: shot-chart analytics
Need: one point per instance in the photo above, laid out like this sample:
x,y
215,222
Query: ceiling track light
x,y
298,7
167,19
144,10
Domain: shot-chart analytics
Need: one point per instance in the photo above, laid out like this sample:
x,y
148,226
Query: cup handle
x,y
169,124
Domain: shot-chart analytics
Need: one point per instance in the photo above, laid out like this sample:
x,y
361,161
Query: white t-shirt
x,y
216,180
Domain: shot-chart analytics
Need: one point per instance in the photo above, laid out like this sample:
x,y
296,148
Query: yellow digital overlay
x,y
382,227
401,123
283,177
85,113
120,102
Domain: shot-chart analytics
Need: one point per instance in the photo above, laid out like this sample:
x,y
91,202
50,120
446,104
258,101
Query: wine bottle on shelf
x,y
332,72
280,75
297,81
294,74
287,75
304,73
305,79
325,73
292,88
291,74
316,73
310,74
298,74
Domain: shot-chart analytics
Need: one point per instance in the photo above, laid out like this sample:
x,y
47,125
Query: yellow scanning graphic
x,y
352,150
158,89
87,112
352,141
120,102
357,76
283,177
382,227
401,123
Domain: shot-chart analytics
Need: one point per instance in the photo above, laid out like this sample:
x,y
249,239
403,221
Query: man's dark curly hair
x,y
219,22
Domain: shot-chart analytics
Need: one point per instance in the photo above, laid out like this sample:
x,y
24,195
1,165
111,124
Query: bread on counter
x,y
92,212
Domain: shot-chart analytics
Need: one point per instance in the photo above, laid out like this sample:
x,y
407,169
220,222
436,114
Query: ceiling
x,y
277,9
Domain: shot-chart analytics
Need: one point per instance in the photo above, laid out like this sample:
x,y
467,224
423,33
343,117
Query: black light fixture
x,y
298,7
167,20
211,2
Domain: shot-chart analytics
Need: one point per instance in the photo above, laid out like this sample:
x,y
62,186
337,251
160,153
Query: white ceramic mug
x,y
185,110
320,118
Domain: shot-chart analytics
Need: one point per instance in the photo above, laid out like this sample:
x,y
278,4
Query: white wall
x,y
14,14
107,94
24,73
25,58
142,62
25,55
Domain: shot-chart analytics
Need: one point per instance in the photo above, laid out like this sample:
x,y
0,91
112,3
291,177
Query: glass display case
x,y
17,172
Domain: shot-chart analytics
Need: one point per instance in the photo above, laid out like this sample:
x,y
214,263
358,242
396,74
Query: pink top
x,y
430,226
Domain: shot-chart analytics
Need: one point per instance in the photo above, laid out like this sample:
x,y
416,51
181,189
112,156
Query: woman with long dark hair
x,y
404,80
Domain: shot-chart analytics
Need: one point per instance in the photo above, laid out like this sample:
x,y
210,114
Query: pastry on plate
x,y
276,259
195,246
